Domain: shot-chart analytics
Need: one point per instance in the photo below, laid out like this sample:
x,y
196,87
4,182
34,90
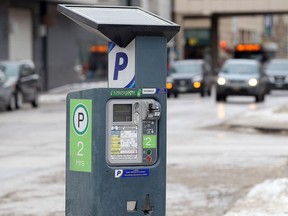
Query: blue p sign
x,y
121,63
121,66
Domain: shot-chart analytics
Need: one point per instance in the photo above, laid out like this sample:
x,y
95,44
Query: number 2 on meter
x,y
148,141
81,145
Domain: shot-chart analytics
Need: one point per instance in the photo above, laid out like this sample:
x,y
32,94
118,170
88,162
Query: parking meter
x,y
116,136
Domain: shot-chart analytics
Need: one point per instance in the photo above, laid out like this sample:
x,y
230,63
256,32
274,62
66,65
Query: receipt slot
x,y
116,136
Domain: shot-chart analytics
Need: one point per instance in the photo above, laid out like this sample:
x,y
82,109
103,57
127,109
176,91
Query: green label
x,y
126,93
80,135
149,141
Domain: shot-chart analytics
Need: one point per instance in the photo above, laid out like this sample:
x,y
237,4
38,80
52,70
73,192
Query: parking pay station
x,y
116,136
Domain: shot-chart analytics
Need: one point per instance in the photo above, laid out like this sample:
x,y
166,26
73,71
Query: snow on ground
x,y
274,118
60,93
269,198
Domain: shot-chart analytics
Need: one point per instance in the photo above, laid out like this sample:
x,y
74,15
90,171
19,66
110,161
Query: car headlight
x,y
221,81
253,82
169,85
197,85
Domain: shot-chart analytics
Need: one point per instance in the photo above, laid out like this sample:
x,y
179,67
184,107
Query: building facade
x,y
237,21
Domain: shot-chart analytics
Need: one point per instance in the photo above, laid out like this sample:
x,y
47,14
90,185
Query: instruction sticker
x,y
80,150
132,173
124,143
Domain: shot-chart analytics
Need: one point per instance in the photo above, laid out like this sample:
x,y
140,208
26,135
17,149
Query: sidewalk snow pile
x,y
269,198
275,118
60,93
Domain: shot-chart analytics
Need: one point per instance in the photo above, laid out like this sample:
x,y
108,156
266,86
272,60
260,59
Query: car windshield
x,y
278,66
10,69
240,68
187,68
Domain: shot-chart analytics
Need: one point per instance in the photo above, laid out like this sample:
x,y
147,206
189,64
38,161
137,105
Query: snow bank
x,y
269,198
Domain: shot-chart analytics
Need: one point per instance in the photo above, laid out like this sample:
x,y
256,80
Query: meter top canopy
x,y
119,24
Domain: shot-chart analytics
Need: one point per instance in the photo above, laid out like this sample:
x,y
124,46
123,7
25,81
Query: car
x,y
189,76
244,77
19,83
277,72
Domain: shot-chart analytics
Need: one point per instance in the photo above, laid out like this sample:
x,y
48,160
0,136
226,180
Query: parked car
x,y
189,76
19,83
277,71
241,77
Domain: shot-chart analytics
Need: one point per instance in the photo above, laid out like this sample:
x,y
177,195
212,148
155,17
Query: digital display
x,y
122,112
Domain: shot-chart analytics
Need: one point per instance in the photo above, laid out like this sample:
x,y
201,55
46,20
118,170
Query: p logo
x,y
118,173
80,119
121,63
121,66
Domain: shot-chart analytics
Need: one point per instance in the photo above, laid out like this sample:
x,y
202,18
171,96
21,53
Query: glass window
x,y
187,68
240,68
10,69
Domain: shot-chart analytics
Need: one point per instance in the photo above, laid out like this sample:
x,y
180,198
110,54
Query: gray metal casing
x,y
99,193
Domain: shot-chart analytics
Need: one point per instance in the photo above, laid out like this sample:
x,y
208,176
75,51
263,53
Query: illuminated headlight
x,y
253,82
221,81
169,85
197,85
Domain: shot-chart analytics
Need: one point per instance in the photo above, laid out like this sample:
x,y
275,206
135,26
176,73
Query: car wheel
x,y
259,98
219,97
209,92
202,93
12,103
19,100
176,95
35,102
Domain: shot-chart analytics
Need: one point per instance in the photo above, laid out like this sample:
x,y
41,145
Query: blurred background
x,y
227,154
63,53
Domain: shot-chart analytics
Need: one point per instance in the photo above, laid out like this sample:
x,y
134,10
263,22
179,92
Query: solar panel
x,y
120,24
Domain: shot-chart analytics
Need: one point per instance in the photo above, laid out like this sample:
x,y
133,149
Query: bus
x,y
251,51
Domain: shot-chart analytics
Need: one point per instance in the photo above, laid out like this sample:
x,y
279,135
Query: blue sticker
x,y
132,173
161,91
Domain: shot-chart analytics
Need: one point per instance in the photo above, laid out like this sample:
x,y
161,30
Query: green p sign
x,y
80,135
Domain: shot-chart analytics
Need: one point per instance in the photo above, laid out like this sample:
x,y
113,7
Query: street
x,y
209,166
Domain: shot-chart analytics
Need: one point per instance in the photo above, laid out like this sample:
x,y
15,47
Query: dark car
x,y
241,77
277,71
189,76
19,83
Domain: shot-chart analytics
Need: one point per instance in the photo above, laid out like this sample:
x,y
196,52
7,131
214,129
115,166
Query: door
x,y
20,34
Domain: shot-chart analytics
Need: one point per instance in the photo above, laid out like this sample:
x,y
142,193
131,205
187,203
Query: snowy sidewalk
x,y
59,94
270,119
269,198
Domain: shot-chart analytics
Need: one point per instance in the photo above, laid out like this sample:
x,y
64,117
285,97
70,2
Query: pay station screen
x,y
132,127
122,112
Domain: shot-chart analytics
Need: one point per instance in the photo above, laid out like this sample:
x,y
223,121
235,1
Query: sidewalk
x,y
274,119
59,94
